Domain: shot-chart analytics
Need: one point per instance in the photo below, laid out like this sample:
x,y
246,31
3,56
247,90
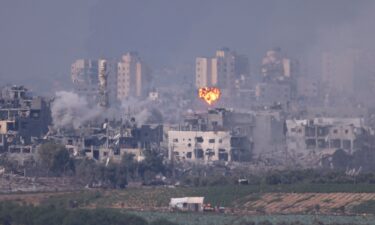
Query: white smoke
x,y
143,111
71,111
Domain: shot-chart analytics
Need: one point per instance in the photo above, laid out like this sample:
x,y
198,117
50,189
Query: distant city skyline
x,y
41,39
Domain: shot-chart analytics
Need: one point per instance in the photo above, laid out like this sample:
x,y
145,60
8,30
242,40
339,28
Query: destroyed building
x,y
111,141
268,134
279,75
312,139
218,135
95,80
22,118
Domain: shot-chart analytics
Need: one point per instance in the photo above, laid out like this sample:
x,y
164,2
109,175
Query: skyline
x,y
34,48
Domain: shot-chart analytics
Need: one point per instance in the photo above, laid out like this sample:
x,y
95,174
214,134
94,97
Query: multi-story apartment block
x,y
133,77
94,79
221,70
85,76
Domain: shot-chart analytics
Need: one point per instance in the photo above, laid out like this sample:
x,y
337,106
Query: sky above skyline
x,y
40,39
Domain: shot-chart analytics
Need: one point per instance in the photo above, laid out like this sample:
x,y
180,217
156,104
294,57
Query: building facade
x,y
222,70
95,79
133,77
206,146
320,136
85,76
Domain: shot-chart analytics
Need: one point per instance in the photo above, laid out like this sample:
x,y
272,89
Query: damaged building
x,y
278,78
312,139
112,141
22,119
207,146
218,135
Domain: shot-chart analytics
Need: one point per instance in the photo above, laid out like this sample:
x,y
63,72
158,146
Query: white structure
x,y
199,145
205,72
187,204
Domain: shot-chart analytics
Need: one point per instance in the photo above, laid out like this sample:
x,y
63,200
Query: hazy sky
x,y
39,39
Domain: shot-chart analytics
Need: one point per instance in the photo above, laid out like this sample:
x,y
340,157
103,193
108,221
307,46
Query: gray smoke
x,y
71,111
143,111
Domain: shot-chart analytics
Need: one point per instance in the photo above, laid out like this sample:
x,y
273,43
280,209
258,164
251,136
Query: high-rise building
x,y
221,70
279,78
85,77
205,72
225,60
94,80
133,77
277,68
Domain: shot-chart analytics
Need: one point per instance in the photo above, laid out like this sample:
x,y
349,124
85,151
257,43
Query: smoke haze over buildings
x,y
46,37
71,111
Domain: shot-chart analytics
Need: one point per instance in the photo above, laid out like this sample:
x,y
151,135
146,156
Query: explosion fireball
x,y
209,94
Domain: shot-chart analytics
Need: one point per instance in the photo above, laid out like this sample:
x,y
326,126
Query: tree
x,y
151,165
130,165
87,171
55,157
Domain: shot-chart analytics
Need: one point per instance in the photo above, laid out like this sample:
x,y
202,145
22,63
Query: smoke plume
x,y
71,111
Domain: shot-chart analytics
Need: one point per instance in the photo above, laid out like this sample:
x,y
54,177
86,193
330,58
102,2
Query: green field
x,y
217,195
218,219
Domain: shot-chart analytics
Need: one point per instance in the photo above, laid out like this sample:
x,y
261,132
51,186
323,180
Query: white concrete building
x,y
199,145
205,72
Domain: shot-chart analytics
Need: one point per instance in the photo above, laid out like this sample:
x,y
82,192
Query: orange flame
x,y
209,94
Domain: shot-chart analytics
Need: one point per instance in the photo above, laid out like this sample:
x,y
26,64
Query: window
x,y
199,139
198,153
322,143
223,155
322,131
23,125
346,144
175,140
210,152
310,131
211,140
335,143
188,155
310,143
